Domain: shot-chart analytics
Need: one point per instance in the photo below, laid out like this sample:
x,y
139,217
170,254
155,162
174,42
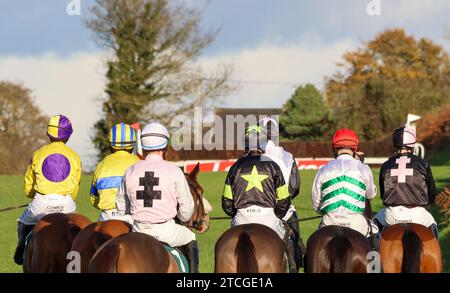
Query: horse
x,y
93,236
336,249
250,248
51,241
133,253
410,248
141,253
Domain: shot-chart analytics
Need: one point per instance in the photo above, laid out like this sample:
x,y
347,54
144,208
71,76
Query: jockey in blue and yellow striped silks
x,y
109,172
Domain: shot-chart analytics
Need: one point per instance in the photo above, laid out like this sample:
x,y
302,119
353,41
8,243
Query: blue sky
x,y
33,27
267,40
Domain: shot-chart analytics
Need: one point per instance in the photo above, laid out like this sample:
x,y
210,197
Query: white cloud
x,y
301,63
71,85
66,86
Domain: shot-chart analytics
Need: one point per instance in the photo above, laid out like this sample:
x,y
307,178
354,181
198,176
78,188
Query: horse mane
x,y
245,255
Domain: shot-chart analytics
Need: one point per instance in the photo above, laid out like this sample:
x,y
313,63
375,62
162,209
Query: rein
x,y
13,208
299,220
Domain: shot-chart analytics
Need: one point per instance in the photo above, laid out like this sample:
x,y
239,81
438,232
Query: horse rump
x,y
105,259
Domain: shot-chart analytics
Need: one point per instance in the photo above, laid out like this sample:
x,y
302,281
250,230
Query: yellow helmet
x,y
122,137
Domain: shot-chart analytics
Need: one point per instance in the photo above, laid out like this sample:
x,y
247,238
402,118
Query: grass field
x,y
11,194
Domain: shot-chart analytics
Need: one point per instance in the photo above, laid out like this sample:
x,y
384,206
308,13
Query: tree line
x,y
153,73
373,90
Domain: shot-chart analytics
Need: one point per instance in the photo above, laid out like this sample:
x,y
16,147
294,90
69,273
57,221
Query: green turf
x,y
12,194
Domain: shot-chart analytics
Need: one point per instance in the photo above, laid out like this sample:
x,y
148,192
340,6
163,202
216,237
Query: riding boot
x,y
434,229
22,233
300,249
191,250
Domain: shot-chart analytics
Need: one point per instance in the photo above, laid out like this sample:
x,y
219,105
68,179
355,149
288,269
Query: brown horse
x,y
93,236
335,249
51,241
137,252
250,248
133,253
410,248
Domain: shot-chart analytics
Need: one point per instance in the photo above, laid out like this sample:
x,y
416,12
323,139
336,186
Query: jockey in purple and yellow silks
x,y
109,172
52,180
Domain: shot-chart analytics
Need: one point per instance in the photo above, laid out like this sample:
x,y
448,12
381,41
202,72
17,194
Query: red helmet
x,y
345,138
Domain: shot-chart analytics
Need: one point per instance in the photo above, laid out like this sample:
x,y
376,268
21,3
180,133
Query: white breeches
x,y
112,215
169,232
259,215
400,214
354,221
47,204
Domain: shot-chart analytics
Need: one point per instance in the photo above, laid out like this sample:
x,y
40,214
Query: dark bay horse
x,y
335,249
93,236
51,241
410,248
250,248
141,253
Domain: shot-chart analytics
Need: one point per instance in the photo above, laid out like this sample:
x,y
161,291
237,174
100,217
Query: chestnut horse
x,y
250,248
410,248
336,249
141,253
89,240
51,241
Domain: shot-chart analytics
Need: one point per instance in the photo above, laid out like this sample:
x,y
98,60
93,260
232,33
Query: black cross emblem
x,y
148,194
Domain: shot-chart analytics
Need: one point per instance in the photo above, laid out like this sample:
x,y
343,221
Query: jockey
x,y
52,180
341,187
155,191
109,172
260,185
406,184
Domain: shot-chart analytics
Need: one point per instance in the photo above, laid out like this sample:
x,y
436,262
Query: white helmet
x,y
154,137
269,127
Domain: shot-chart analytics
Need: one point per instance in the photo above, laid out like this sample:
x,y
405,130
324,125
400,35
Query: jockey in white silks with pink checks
x,y
155,191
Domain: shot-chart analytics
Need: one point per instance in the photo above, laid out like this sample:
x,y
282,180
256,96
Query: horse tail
x,y
245,255
338,253
412,252
105,259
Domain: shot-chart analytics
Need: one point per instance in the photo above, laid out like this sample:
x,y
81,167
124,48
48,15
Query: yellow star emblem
x,y
254,179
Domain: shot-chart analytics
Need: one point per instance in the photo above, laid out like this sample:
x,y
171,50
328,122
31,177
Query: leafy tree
x,y
388,77
152,72
305,115
22,127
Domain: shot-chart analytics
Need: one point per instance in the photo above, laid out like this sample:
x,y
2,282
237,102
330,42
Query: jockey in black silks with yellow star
x,y
260,186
